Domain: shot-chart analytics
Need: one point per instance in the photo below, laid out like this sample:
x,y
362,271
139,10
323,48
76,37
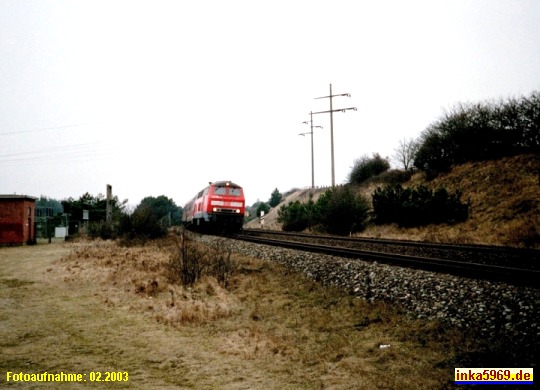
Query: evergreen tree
x,y
262,207
275,198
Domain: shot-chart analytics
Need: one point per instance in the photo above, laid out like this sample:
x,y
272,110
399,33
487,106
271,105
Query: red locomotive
x,y
220,206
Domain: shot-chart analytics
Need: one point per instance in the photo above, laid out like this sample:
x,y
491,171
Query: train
x,y
218,207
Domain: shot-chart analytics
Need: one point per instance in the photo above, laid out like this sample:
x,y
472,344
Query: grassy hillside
x,y
504,198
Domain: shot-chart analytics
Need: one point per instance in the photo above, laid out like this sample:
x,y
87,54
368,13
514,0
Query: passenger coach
x,y
220,206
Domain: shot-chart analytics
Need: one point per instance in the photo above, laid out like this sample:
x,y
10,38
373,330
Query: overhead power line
x,y
44,129
58,154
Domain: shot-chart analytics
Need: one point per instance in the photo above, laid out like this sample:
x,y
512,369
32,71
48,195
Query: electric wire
x,y
59,154
45,129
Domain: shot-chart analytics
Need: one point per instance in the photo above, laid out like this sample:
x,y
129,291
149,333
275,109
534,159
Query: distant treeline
x,y
150,219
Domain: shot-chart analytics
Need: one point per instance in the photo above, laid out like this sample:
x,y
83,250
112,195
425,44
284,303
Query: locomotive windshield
x,y
235,191
222,190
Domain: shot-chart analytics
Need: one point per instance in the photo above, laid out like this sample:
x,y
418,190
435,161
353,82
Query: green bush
x,y
294,216
366,167
103,230
338,211
478,132
417,206
164,209
341,211
146,224
263,206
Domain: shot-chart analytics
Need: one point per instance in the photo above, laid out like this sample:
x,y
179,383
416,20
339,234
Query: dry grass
x,y
145,272
108,307
505,201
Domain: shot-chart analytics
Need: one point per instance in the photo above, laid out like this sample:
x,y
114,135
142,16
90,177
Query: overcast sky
x,y
160,97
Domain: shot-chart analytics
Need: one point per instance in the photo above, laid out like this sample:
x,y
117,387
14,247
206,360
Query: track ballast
x,y
510,265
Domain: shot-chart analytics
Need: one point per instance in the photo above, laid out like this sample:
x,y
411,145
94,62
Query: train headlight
x,y
214,209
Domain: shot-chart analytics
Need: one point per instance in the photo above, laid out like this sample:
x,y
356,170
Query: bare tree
x,y
405,153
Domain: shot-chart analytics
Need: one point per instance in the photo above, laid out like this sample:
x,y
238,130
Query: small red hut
x,y
17,217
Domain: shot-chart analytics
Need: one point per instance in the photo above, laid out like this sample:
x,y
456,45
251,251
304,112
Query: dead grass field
x,y
97,306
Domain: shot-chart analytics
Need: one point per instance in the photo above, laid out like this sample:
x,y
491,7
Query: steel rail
x,y
514,276
421,244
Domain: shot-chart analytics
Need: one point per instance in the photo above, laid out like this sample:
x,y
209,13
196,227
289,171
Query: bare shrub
x,y
223,266
185,265
193,260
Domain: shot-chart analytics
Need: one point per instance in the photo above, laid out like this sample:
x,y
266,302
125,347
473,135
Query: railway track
x,y
509,265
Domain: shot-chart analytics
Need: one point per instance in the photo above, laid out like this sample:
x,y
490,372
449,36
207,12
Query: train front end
x,y
225,206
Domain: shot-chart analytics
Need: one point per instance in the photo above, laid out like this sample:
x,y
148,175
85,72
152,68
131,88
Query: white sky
x,y
160,97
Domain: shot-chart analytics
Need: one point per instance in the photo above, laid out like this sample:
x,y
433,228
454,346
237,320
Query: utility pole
x,y
331,111
108,213
312,153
